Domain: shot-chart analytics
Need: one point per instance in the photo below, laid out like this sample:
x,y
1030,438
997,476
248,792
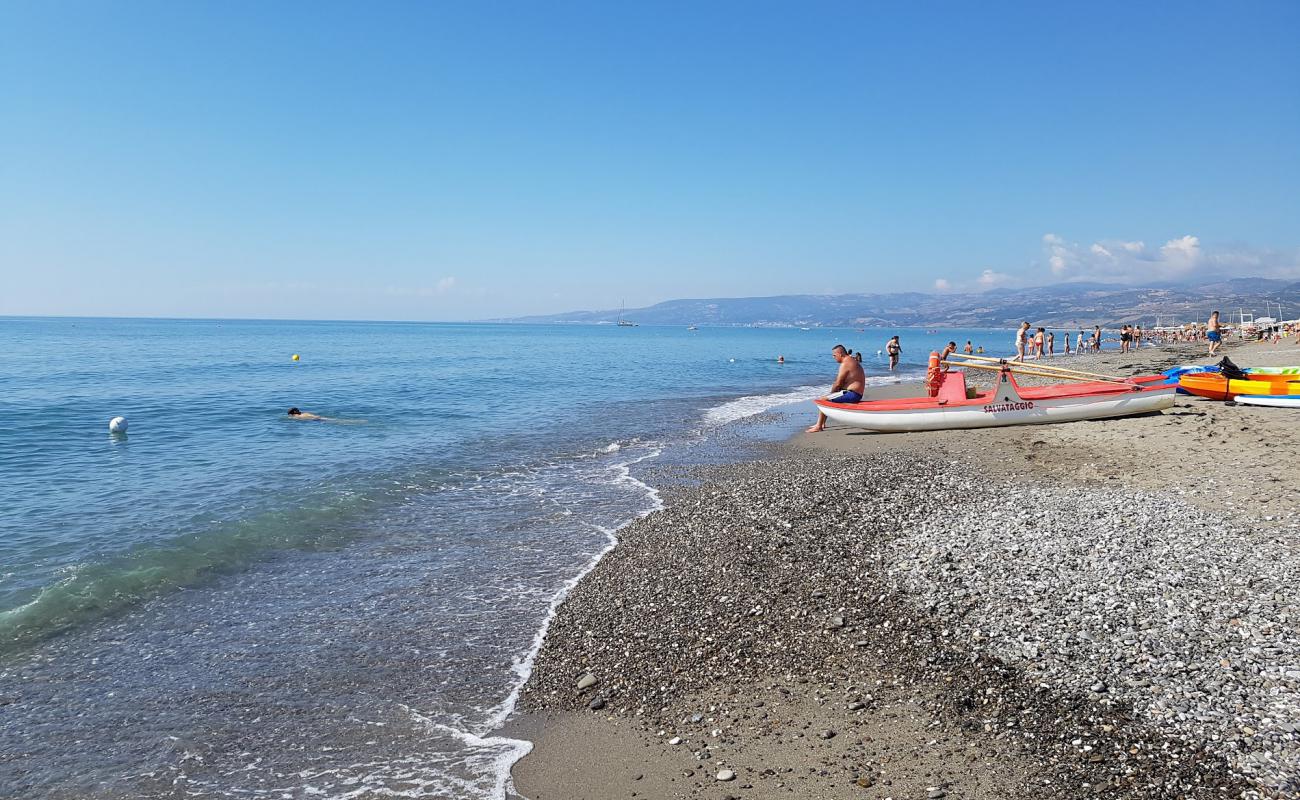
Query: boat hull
x,y
1272,400
1275,371
990,412
1216,387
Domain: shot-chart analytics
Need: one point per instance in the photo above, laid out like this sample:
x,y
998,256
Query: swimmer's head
x,y
293,412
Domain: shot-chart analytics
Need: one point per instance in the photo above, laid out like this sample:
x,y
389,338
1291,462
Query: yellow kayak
x,y
1216,387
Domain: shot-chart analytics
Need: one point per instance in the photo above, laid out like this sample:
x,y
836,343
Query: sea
x,y
223,601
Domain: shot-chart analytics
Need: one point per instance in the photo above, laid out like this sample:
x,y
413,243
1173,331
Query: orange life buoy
x,y
933,375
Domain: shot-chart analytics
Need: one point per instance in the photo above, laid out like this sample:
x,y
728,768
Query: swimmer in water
x,y
296,413
780,359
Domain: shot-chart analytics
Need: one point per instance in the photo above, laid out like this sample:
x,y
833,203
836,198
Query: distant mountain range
x,y
1067,304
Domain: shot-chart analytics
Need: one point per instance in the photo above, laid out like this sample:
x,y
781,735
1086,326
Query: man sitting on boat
x,y
850,383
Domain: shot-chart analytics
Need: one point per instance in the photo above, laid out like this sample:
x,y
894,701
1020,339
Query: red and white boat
x,y
1007,403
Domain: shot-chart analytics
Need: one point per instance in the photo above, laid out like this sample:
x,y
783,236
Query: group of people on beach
x,y
850,380
895,350
1041,343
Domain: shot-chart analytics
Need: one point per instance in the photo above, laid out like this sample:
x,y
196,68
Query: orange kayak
x,y
1216,387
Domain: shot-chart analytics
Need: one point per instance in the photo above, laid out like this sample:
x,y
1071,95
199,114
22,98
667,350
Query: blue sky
x,y
468,160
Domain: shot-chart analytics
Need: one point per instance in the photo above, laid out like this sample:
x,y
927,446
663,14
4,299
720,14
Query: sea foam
x,y
752,405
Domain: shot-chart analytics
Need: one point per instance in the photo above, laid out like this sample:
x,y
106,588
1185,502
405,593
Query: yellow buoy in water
x,y
295,356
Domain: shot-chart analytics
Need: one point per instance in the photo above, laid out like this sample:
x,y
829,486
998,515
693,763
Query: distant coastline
x,y
1061,305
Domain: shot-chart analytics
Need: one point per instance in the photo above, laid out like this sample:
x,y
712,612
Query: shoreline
x,y
753,682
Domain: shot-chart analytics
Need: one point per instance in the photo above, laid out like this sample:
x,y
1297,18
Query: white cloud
x,y
989,278
1185,250
1180,258
446,284
1131,261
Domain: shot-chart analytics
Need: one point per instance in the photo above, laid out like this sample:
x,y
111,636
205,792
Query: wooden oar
x,y
1046,367
1025,371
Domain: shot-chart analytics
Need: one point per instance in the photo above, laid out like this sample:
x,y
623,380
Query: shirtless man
x,y
947,351
294,413
1022,337
1213,334
849,384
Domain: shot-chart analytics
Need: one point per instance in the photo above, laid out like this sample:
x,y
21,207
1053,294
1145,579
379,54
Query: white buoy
x,y
117,425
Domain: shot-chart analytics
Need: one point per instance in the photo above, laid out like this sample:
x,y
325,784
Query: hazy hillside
x,y
1072,304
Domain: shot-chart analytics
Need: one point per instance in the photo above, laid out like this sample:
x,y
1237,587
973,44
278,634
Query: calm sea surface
x,y
226,602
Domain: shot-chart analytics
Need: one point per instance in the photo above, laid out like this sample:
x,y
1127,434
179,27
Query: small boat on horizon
x,y
622,323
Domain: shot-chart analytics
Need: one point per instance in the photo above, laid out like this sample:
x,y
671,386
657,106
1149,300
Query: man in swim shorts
x,y
850,383
1212,332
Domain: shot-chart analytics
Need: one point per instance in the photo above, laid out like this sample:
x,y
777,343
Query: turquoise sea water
x,y
236,603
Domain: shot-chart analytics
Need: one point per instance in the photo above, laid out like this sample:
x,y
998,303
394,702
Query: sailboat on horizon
x,y
622,323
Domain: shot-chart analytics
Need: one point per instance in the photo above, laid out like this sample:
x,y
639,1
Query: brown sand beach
x,y
1091,609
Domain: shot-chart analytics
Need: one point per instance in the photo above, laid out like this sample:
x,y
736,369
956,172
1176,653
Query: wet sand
x,y
820,623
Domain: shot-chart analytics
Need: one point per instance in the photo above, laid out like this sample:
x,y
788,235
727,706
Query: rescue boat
x,y
952,406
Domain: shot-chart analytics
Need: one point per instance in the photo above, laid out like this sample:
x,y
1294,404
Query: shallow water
x,y
227,602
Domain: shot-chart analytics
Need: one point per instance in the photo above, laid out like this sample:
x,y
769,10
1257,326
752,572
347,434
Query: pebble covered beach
x,y
897,616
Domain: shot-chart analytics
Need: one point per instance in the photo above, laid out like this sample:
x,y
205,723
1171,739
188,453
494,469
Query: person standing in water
x,y
968,349
895,349
850,383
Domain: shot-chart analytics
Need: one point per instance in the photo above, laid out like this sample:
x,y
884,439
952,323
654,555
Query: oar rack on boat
x,y
1035,370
